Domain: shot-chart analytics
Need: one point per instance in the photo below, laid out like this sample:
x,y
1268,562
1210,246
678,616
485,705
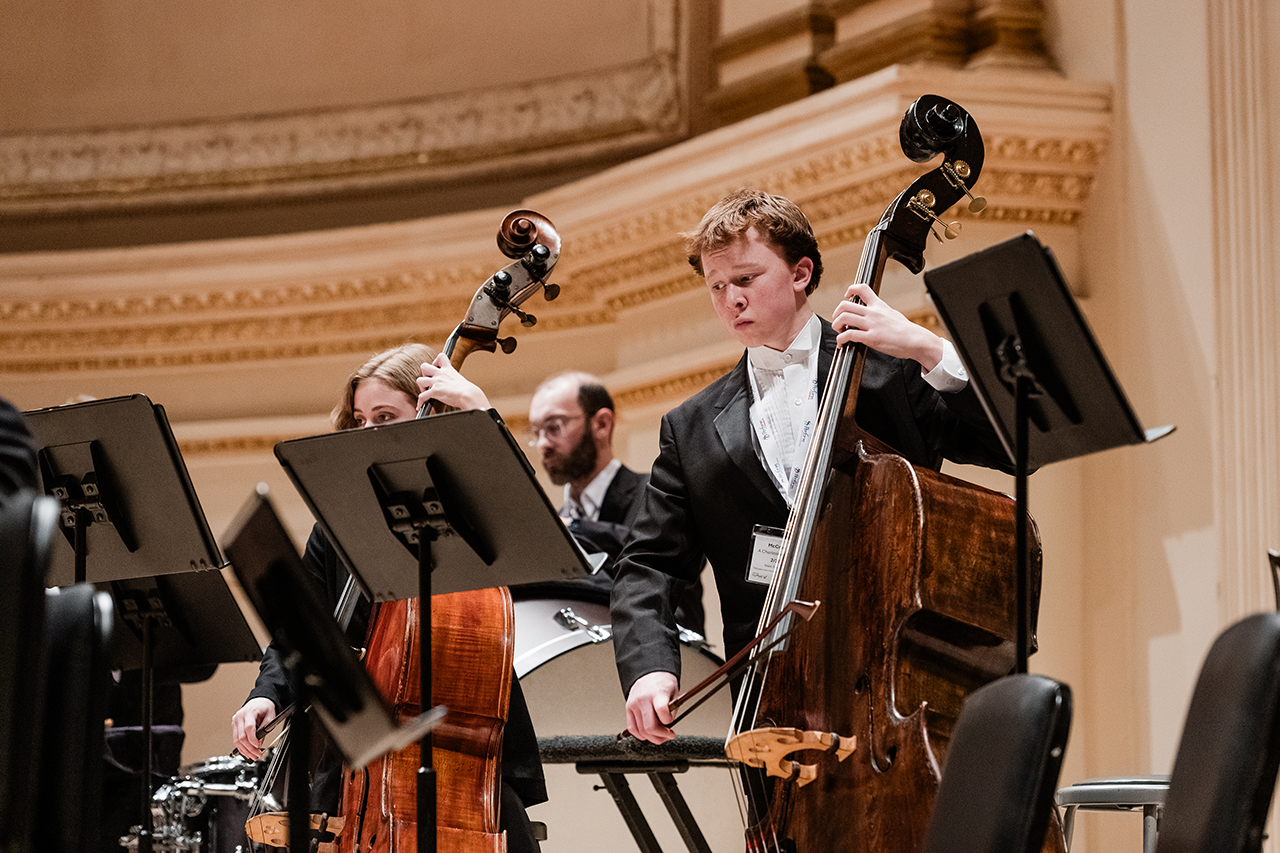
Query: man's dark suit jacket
x,y
618,512
708,489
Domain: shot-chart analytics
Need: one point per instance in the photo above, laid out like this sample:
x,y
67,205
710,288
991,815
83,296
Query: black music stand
x,y
132,526
442,504
322,665
1033,361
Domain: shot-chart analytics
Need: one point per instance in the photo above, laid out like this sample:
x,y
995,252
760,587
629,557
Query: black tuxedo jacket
x,y
708,489
618,512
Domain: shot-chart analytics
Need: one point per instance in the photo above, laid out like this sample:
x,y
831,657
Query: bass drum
x,y
564,660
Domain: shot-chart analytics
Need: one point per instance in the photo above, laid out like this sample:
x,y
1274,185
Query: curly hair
x,y
775,217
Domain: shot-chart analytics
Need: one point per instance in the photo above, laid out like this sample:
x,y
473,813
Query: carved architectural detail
x,y
234,444
675,387
843,190
486,130
309,304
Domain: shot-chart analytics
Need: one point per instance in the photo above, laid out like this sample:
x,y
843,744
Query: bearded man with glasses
x,y
571,422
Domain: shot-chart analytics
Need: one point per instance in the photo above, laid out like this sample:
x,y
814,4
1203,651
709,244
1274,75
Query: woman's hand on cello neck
x,y
648,706
442,383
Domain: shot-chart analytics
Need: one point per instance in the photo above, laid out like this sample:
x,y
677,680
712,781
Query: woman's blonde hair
x,y
399,367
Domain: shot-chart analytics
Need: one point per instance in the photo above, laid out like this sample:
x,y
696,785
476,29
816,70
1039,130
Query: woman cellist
x,y
386,390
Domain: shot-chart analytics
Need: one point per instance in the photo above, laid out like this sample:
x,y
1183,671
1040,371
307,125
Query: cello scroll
x,y
534,243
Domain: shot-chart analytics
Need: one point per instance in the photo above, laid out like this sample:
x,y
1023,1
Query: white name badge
x,y
766,547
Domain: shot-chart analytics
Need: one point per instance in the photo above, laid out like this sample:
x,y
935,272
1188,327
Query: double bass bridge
x,y
771,748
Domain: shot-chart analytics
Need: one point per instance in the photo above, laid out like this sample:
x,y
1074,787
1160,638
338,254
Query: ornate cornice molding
x,y
233,445
448,136
273,299
1028,180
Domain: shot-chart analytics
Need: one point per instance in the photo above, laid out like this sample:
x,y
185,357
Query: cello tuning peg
x,y
526,319
508,345
550,292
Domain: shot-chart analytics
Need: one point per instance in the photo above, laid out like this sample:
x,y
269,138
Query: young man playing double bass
x,y
728,456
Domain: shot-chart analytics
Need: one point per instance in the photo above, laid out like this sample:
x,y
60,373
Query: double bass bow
x,y
915,572
470,635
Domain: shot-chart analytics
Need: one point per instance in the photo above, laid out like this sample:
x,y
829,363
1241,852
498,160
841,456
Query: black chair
x,y
27,525
1001,768
78,623
1225,770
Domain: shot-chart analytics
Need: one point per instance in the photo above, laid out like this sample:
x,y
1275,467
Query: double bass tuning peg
x,y
508,345
955,173
922,205
550,291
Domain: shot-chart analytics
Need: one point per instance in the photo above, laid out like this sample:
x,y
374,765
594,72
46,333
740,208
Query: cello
x,y
472,636
915,572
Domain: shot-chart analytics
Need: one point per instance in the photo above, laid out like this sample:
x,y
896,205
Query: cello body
x,y
473,636
916,573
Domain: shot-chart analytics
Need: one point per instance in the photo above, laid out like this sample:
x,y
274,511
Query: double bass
x,y
472,637
842,721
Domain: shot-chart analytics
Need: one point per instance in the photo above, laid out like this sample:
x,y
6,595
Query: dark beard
x,y
579,462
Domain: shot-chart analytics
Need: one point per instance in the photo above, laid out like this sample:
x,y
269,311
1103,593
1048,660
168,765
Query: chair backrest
x,y
1225,770
1001,768
27,525
78,622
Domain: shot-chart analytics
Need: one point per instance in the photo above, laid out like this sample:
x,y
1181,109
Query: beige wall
x,y
139,63
1157,587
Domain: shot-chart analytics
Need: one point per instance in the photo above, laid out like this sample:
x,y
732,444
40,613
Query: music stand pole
x,y
427,782
299,791
1021,508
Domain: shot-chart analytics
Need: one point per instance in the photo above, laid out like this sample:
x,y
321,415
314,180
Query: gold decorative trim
x,y
677,387
294,297
236,444
636,261
311,344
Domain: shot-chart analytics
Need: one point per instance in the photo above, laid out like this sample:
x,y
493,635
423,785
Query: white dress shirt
x,y
588,504
784,390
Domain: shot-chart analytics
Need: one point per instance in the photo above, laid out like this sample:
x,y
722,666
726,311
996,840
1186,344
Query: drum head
x,y
571,685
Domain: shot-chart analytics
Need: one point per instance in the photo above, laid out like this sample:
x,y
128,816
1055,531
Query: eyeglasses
x,y
552,427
